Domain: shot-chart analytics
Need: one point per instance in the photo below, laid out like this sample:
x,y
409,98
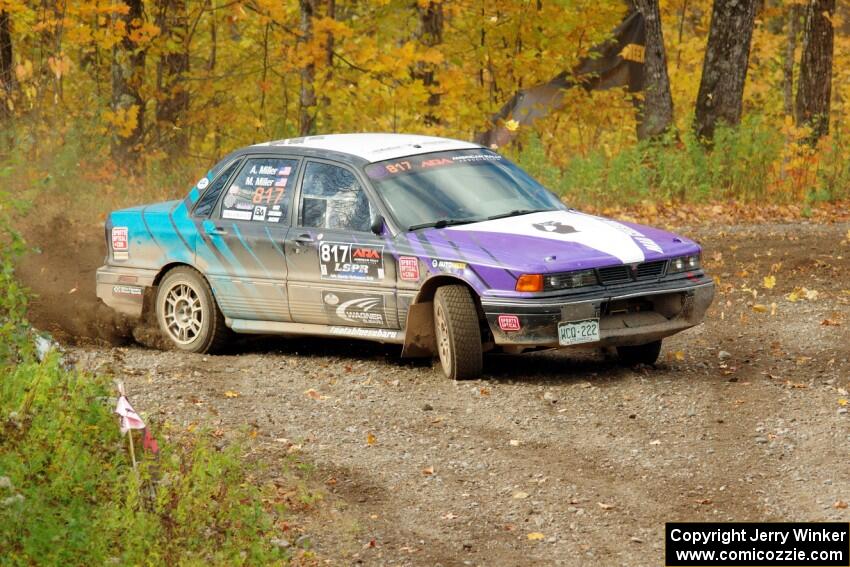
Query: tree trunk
x,y
128,67
307,101
724,71
791,29
430,34
171,75
815,85
656,115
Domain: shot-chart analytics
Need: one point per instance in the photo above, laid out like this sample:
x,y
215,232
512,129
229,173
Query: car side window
x,y
332,198
260,192
208,200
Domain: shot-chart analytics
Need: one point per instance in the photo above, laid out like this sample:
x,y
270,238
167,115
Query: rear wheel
x,y
639,354
187,313
457,332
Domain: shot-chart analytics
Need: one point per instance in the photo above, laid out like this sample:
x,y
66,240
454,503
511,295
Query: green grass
x,y
68,492
755,162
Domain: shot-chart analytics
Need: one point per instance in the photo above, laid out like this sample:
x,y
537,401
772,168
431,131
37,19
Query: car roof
x,y
371,147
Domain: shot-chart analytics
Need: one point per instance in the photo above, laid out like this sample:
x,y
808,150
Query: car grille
x,y
614,274
621,274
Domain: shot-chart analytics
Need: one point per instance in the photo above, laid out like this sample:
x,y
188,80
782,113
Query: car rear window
x,y
261,191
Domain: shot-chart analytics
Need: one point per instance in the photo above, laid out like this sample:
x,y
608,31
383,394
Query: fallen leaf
x,y
840,504
704,501
449,516
484,391
514,442
605,506
679,355
314,394
655,442
231,394
535,536
428,471
520,495
830,323
842,402
759,308
73,290
371,439
769,282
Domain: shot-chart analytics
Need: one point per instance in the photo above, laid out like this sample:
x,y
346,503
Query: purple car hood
x,y
555,241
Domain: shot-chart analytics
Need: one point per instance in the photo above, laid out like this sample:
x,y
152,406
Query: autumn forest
x,y
147,86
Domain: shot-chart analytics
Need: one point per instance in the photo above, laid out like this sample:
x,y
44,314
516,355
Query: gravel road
x,y
554,458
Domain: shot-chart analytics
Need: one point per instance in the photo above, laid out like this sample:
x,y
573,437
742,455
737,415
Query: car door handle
x,y
303,239
218,230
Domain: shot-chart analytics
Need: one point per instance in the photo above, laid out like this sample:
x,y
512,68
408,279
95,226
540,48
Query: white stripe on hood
x,y
606,236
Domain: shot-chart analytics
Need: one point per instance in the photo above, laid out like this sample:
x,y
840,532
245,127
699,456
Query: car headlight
x,y
684,264
570,280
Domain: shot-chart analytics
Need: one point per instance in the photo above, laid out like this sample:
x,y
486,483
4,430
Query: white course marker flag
x,y
129,418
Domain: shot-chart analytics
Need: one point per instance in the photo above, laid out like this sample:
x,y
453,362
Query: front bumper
x,y
123,289
627,316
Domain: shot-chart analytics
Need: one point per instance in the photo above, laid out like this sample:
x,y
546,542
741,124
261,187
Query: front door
x,y
340,273
249,227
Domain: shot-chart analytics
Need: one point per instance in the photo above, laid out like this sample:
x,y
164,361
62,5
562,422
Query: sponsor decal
x,y
364,333
120,239
477,157
281,182
202,184
126,290
448,265
408,268
121,255
245,206
259,213
237,215
366,310
509,323
435,162
234,190
554,226
229,201
348,261
284,170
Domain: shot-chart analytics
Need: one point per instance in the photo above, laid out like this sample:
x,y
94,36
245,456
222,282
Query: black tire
x,y
458,333
188,316
639,354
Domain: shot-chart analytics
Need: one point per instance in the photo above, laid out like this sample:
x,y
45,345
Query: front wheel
x,y
457,332
639,354
187,313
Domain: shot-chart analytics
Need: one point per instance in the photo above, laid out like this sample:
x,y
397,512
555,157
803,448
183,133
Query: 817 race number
x,y
343,260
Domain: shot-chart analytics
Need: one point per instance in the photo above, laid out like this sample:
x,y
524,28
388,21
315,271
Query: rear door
x,y
340,273
249,228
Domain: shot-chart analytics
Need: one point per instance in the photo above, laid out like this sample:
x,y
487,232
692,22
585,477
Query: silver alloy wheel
x,y
443,344
183,313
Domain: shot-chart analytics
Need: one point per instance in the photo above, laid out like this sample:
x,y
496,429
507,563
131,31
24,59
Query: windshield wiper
x,y
518,212
442,223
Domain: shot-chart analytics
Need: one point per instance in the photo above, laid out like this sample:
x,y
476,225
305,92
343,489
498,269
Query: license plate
x,y
578,332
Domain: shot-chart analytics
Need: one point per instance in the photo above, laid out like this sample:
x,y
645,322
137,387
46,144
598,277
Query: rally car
x,y
439,245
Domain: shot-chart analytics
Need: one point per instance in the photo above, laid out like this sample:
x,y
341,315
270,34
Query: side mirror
x,y
377,225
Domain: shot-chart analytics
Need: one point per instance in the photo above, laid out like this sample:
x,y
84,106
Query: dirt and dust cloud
x,y
59,271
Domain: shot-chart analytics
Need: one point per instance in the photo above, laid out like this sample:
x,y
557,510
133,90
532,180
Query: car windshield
x,y
456,187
